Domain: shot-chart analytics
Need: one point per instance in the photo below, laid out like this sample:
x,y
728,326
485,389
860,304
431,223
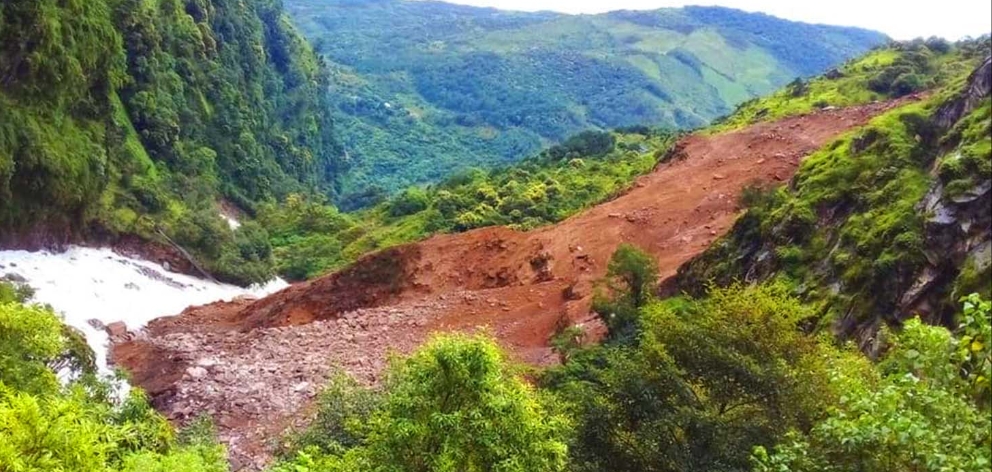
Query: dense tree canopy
x,y
137,117
455,405
925,409
78,425
698,385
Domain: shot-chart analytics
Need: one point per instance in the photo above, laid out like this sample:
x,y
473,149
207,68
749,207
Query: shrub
x,y
705,381
920,411
630,279
412,200
453,405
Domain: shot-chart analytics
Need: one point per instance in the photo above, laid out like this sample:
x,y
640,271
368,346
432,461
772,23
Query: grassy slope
x,y
427,89
848,232
849,85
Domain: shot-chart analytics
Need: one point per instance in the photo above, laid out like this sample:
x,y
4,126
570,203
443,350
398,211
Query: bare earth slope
x,y
253,365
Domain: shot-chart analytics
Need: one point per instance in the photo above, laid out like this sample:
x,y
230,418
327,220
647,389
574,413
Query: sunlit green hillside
x,y
424,89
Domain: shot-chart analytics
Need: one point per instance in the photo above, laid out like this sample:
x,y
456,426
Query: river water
x,y
84,284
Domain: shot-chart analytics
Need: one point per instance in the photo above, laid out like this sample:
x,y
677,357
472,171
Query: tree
x,y
924,409
703,382
30,338
412,200
455,405
630,278
47,425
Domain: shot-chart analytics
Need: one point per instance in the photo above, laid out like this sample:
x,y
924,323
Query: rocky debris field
x,y
254,366
247,381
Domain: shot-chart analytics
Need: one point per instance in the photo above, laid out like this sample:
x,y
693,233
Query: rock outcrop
x,y
958,227
954,229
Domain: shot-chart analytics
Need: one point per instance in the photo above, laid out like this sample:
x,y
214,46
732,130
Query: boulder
x,y
116,329
196,372
14,277
577,291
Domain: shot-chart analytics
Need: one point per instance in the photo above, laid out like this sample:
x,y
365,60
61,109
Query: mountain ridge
x,y
453,87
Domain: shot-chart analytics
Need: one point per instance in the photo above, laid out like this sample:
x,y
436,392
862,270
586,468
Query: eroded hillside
x,y
254,365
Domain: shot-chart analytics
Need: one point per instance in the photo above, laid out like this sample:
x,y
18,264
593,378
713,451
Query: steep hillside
x,y
890,221
137,117
589,168
428,88
310,239
521,286
525,286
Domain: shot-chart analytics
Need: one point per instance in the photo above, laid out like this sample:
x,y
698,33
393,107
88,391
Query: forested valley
x,y
428,89
830,312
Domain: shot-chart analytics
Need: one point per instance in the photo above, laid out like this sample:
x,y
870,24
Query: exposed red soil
x,y
518,285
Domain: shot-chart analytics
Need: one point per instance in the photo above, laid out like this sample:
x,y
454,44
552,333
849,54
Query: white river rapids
x,y
84,284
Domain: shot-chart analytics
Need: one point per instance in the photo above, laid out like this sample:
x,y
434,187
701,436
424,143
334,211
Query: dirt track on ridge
x,y
253,365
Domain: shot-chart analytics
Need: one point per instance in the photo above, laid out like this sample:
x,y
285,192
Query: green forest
x,y
729,381
792,344
137,117
428,89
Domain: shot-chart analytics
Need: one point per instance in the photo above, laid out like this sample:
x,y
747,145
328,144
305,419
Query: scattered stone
x,y
14,277
196,372
116,329
159,277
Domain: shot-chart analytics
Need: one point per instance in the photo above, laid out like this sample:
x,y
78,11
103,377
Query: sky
x,y
900,19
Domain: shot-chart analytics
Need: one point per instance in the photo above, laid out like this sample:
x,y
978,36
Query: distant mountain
x,y
424,89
